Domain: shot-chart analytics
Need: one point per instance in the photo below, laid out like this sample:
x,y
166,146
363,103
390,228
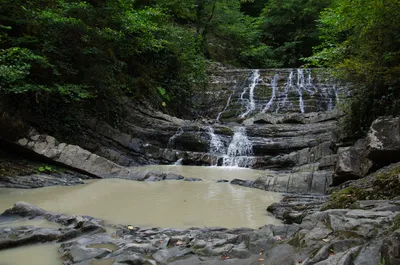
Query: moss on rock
x,y
384,184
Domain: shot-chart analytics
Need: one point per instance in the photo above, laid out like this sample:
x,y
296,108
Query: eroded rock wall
x,y
291,140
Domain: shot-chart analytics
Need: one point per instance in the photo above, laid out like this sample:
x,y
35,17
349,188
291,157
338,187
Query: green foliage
x,y
360,39
225,34
45,169
61,57
252,8
289,28
382,185
344,198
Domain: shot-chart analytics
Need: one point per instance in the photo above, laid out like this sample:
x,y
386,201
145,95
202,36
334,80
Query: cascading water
x,y
179,162
309,79
303,83
287,88
336,95
274,86
226,106
239,150
216,145
250,103
300,79
300,85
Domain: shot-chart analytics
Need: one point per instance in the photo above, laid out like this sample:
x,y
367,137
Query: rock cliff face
x,y
279,120
285,116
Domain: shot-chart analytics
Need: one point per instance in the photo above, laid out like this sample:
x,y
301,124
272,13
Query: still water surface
x,y
41,254
178,204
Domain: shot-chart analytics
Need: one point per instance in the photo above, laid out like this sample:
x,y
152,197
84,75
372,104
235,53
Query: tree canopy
x,y
361,39
58,57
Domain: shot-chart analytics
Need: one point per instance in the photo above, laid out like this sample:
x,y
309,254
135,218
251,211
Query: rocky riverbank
x,y
364,231
357,224
366,235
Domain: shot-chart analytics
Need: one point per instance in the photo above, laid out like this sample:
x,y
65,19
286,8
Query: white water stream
x,y
239,151
300,86
250,103
216,145
274,86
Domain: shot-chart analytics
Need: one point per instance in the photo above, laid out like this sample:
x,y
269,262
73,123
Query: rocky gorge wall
x,y
277,120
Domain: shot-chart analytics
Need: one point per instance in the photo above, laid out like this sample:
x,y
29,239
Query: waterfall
x,y
300,85
226,106
309,79
274,86
239,150
288,87
336,95
301,102
216,145
178,162
250,103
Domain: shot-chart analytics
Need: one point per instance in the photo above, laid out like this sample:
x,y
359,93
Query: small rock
x,y
222,181
193,179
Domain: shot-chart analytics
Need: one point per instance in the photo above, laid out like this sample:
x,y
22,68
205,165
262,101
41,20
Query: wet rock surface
x,y
41,180
19,236
293,208
340,236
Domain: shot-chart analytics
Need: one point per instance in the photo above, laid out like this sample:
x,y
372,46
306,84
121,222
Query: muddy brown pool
x,y
173,203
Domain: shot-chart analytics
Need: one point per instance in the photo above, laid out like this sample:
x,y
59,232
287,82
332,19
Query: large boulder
x,y
383,141
311,181
71,156
391,248
352,162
